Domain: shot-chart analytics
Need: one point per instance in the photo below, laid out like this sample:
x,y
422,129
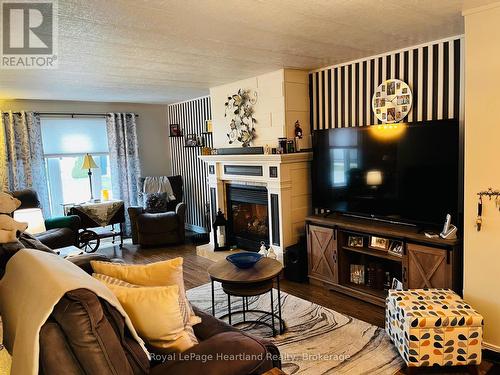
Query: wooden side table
x,y
246,283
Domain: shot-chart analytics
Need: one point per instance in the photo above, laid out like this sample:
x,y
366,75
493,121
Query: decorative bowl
x,y
244,260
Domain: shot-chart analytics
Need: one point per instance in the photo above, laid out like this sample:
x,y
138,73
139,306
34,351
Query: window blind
x,y
74,136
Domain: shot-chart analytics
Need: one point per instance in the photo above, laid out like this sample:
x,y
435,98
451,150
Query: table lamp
x,y
89,163
34,218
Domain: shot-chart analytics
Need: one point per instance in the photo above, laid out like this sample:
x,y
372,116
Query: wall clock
x,y
391,101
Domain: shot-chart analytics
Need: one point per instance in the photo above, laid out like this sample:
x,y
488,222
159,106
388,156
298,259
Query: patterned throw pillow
x,y
155,202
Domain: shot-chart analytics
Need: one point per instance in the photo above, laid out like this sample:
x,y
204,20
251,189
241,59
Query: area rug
x,y
317,340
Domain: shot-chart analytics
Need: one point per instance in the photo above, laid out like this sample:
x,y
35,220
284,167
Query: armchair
x,y
163,228
61,231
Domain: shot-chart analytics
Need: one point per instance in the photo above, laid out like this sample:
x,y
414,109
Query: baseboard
x,y
491,352
195,228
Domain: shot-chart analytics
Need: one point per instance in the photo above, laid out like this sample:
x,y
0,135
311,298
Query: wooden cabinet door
x,y
322,252
427,267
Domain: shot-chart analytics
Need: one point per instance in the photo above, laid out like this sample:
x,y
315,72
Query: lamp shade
x,y
34,218
374,178
88,162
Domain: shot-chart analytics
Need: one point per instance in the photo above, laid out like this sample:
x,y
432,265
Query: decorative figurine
x,y
263,250
270,253
298,130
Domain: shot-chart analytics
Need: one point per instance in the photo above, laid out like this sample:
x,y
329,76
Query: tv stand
x,y
342,257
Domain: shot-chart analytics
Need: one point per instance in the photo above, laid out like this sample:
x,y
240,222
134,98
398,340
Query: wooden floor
x,y
195,274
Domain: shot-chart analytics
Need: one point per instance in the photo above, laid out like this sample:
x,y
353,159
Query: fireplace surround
x,y
285,181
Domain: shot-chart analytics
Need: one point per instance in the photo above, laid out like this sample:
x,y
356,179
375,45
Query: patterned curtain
x,y
22,164
124,158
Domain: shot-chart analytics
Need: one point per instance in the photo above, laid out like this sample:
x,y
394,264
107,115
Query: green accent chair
x,y
61,231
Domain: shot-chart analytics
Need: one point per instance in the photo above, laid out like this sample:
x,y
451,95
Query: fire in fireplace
x,y
248,218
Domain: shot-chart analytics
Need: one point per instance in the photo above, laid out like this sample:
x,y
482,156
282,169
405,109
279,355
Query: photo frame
x,y
379,243
357,274
208,126
191,140
175,130
396,248
355,241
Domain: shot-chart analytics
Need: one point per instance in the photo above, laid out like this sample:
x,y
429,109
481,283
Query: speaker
x,y
296,261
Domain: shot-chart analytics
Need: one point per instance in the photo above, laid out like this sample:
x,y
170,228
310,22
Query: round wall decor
x,y
391,101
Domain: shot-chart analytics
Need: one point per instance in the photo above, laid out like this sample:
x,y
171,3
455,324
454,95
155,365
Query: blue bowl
x,y
244,260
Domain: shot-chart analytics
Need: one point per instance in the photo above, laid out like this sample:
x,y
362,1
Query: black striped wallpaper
x,y
191,116
340,96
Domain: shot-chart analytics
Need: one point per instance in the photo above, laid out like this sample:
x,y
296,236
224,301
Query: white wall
x,y
152,128
482,155
283,98
269,109
296,83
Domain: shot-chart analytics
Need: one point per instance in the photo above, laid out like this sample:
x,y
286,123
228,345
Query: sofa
x,y
86,335
159,228
61,231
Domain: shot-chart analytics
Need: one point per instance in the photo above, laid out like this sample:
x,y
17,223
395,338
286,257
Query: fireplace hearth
x,y
248,216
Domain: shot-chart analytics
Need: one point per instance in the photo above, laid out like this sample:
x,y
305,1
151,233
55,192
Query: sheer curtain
x,y
22,163
124,158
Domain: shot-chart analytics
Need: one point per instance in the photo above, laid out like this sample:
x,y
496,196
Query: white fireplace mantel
x,y
259,158
287,179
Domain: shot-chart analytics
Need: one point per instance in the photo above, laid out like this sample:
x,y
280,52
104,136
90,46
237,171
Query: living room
x,y
249,187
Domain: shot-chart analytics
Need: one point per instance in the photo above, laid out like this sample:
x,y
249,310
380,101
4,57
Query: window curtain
x,y
22,164
124,158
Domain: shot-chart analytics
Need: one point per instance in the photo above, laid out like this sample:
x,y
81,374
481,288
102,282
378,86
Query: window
x,y
65,143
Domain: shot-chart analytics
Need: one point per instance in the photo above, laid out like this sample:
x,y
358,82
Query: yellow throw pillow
x,y
168,272
155,314
108,280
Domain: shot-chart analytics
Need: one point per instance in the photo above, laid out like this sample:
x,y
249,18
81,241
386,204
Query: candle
x,y
105,194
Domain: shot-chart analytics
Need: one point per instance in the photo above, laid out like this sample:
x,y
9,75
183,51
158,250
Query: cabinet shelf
x,y
373,253
367,289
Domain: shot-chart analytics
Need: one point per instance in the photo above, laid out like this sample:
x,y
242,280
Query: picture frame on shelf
x,y
379,243
208,126
357,274
395,248
191,140
355,241
175,130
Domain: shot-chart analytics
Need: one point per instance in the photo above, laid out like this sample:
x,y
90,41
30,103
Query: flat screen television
x,y
406,173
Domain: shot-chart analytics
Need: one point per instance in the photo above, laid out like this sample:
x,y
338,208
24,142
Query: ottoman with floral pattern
x,y
433,327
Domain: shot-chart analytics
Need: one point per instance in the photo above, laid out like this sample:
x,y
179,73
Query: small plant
x,y
239,108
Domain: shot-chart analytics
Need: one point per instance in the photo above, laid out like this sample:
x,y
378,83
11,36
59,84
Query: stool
x,y
434,327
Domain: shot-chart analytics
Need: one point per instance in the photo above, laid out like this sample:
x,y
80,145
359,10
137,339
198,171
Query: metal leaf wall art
x,y
239,108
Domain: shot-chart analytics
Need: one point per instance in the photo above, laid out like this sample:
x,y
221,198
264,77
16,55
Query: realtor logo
x,y
29,34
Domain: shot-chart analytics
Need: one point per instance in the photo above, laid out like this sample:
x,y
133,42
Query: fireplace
x,y
248,216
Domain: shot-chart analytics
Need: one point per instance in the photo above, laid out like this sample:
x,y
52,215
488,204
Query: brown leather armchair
x,y
164,228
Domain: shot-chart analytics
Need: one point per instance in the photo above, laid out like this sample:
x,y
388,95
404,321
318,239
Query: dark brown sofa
x,y
86,335
164,228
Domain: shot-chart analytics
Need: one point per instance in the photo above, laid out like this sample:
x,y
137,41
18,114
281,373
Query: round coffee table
x,y
246,283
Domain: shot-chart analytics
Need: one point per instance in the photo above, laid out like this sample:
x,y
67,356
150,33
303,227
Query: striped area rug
x,y
317,340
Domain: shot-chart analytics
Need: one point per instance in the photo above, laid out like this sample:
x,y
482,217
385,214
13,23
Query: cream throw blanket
x,y
34,282
158,184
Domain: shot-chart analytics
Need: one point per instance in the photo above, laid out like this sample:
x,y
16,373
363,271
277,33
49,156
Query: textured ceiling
x,y
160,51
